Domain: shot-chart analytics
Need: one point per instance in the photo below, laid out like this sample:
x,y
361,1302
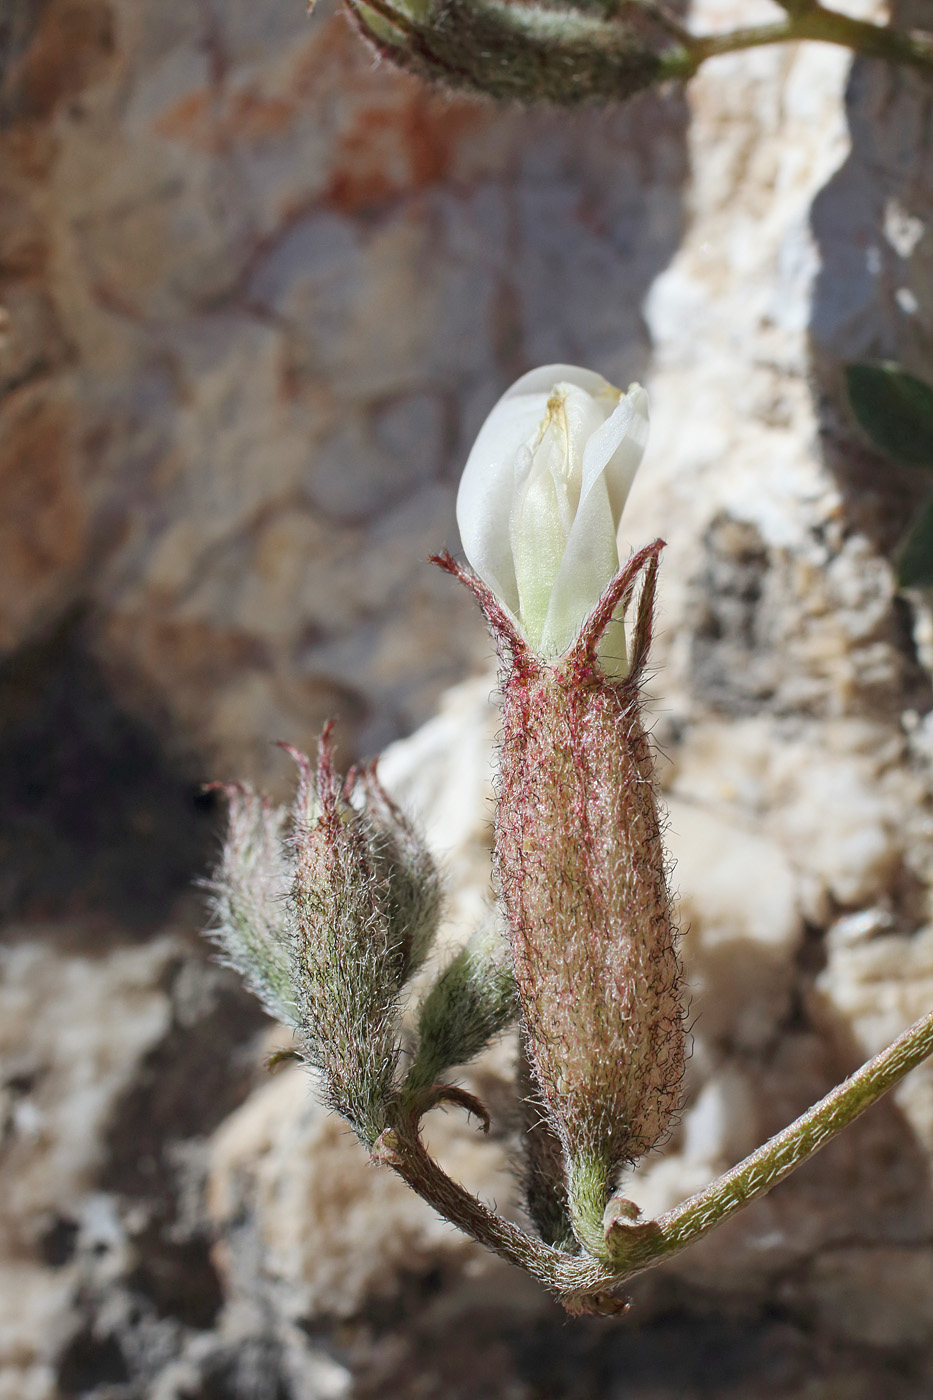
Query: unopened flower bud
x,y
413,895
579,857
248,896
541,497
327,924
348,958
522,52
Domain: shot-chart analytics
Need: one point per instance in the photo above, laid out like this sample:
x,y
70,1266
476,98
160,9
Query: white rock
x,y
332,1230
733,885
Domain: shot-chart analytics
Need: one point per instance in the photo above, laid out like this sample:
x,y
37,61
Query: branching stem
x,y
807,19
594,45
585,1281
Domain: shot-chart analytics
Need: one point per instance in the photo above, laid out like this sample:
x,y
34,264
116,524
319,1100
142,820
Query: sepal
x,y
248,896
413,893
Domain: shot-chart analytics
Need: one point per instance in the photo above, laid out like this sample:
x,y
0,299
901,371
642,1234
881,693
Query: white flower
x,y
541,497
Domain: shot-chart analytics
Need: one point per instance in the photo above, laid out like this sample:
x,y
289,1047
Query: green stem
x,y
808,20
585,1283
874,40
588,1189
762,1171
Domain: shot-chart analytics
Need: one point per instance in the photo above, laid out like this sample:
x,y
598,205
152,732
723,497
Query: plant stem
x,y
401,1149
585,1283
806,19
760,1172
588,1189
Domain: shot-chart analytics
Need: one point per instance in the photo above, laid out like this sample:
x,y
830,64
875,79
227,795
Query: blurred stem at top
x,y
806,19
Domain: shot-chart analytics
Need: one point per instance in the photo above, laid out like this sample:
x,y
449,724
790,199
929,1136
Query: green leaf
x,y
914,557
471,1002
895,409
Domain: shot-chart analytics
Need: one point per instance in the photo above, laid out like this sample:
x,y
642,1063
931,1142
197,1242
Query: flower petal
x,y
543,381
541,496
487,489
538,539
581,416
590,561
616,449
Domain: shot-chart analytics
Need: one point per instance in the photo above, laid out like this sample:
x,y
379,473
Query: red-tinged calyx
x,y
581,870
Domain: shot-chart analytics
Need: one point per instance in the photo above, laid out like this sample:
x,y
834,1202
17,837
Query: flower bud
x,y
579,858
521,52
327,924
541,497
347,954
413,896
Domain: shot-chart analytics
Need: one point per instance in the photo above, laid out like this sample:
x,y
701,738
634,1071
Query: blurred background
x,y
258,293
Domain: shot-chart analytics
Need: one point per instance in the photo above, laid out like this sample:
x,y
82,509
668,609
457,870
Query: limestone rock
x,y
258,296
334,1232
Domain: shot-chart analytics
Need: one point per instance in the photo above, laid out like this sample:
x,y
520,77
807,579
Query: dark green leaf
x,y
895,409
915,554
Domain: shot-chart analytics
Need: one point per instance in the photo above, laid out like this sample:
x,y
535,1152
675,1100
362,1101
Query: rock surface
x,y
259,294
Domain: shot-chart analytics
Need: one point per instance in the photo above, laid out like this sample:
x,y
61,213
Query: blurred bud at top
x,y
526,52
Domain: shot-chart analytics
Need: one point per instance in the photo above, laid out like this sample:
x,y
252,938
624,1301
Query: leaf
x,y
895,409
471,1002
914,557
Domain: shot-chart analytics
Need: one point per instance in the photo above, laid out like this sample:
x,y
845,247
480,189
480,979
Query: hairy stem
x,y
401,1149
783,1153
588,1189
586,1283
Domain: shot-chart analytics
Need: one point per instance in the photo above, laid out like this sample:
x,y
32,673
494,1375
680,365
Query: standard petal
x,y
487,489
543,381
